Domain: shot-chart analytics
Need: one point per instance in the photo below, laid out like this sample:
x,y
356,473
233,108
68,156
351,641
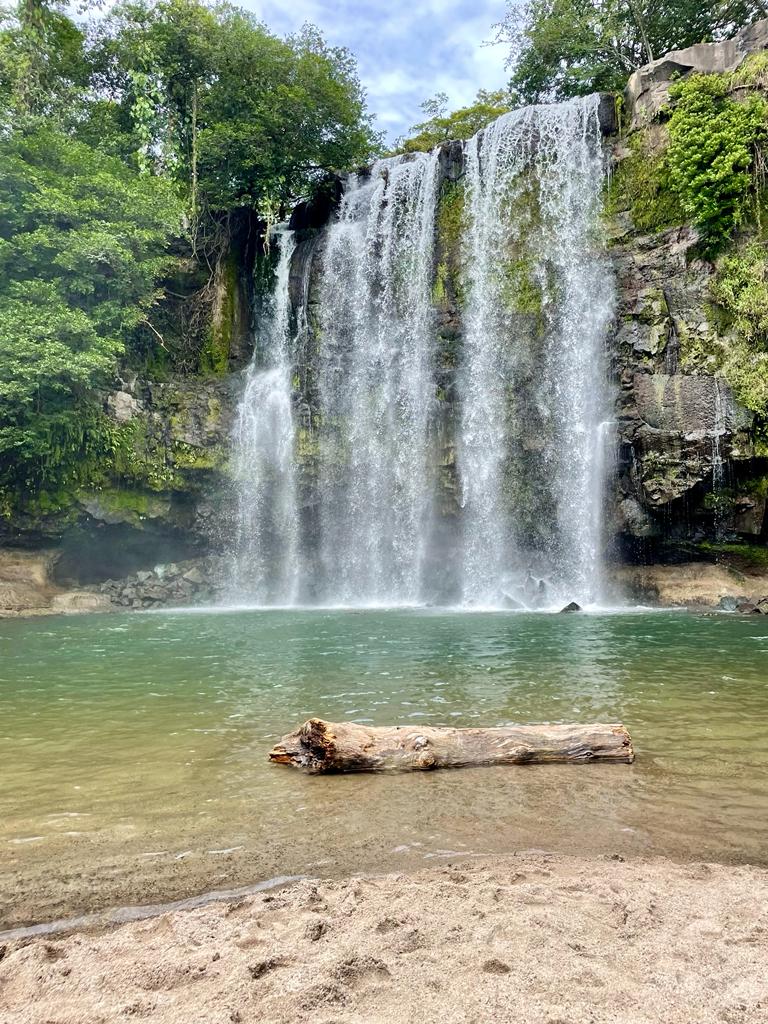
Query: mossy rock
x,y
133,507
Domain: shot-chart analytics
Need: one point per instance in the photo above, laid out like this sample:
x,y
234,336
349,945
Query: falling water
x,y
266,562
533,393
376,384
522,399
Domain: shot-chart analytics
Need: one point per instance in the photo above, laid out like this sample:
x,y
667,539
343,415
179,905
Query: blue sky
x,y
407,51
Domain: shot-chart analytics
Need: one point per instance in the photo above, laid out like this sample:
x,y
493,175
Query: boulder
x,y
648,89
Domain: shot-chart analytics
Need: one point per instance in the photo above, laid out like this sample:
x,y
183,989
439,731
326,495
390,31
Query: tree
x,y
159,139
563,48
82,245
43,67
238,116
441,126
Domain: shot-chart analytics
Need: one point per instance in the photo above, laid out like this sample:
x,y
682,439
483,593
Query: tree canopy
x,y
237,116
563,48
122,143
442,126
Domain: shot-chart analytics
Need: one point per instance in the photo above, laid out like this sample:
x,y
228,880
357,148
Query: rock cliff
x,y
690,479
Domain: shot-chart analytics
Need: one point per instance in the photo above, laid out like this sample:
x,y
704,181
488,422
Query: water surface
x,y
133,748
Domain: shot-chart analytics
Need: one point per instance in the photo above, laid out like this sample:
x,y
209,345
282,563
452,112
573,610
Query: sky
x,y
407,51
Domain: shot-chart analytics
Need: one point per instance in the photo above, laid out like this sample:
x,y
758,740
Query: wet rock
x,y
194,576
572,607
762,606
122,406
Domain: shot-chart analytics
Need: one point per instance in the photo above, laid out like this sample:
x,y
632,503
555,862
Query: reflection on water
x,y
133,748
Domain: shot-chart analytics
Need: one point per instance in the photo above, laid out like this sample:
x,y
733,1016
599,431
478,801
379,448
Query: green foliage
x,y
82,244
753,71
214,358
562,48
43,65
442,126
740,286
238,116
738,349
713,140
641,185
127,154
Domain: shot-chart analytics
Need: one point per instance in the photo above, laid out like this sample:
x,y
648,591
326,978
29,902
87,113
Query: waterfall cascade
x,y
533,379
376,384
520,475
266,565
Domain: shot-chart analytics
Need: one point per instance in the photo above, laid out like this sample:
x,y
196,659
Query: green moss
x,y
641,186
520,292
740,288
754,555
737,347
757,486
438,288
188,456
214,357
307,445
451,223
451,214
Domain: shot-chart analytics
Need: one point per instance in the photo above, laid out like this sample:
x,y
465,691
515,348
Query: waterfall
x,y
533,380
376,387
477,442
266,568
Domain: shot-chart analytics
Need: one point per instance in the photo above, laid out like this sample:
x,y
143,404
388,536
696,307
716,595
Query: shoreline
x,y
523,937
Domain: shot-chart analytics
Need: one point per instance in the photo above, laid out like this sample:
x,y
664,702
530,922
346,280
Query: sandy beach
x,y
531,939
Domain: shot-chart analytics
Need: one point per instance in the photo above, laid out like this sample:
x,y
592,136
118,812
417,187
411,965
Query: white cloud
x,y
407,52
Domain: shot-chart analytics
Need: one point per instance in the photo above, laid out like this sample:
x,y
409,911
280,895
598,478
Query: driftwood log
x,y
319,746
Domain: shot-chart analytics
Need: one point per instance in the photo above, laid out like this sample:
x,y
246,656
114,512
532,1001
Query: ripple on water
x,y
103,729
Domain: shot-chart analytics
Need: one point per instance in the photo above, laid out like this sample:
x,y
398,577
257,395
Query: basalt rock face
x,y
648,89
173,500
691,467
678,432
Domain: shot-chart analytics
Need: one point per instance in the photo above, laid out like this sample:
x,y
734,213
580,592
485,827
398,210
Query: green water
x,y
133,748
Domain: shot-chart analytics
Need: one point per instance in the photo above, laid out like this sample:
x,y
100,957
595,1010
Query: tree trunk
x,y
319,746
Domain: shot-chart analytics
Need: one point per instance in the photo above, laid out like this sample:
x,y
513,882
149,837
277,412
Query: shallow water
x,y
133,748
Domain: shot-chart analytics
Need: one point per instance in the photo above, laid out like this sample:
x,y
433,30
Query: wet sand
x,y
530,939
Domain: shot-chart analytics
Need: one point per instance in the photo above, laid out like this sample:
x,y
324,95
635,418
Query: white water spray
x,y
376,385
266,567
529,411
533,389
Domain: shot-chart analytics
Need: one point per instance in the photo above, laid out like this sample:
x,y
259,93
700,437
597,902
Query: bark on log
x,y
319,746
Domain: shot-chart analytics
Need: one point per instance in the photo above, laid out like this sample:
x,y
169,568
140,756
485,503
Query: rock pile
x,y
198,581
